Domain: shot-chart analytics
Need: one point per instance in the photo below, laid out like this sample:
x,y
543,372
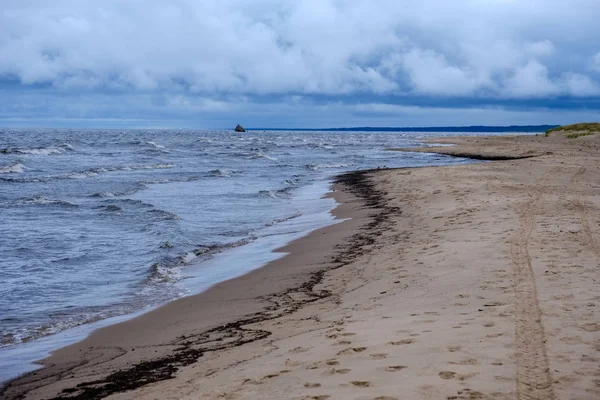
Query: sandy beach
x,y
476,281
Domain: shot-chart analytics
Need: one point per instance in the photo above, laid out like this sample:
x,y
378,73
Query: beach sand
x,y
477,281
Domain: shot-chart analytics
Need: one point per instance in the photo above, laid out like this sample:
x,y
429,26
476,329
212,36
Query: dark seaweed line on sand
x,y
470,155
487,157
192,347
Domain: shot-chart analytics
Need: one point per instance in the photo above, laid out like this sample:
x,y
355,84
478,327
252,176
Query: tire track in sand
x,y
534,381
583,214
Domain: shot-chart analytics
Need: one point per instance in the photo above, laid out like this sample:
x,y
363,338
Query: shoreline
x,y
473,281
231,332
255,254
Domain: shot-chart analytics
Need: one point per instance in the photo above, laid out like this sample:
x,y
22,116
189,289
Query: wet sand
x,y
476,281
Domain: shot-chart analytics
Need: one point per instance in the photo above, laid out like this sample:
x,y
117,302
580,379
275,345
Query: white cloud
x,y
596,62
580,85
430,73
531,80
495,48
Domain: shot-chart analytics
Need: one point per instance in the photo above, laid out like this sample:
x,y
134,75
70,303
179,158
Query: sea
x,y
97,226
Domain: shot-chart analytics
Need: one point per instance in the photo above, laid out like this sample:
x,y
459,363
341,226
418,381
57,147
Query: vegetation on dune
x,y
575,135
582,129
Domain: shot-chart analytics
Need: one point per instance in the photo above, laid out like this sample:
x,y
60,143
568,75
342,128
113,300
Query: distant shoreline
x,y
474,128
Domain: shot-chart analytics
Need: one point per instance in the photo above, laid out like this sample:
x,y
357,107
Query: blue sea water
x,y
97,225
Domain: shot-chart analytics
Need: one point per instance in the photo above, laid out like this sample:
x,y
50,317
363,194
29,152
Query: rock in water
x,y
239,128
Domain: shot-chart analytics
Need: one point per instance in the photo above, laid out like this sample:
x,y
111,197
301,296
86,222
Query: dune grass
x,y
581,129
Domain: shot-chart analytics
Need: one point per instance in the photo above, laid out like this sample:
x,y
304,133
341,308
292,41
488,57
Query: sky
x,y
298,63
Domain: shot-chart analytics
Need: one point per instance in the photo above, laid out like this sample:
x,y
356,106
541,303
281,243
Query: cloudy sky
x,y
298,63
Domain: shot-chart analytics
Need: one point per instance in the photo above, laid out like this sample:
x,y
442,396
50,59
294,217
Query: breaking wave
x,y
38,150
283,219
14,168
267,193
317,167
223,173
41,200
260,154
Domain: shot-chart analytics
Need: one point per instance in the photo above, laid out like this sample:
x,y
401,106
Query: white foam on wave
x,y
67,146
39,151
82,175
284,219
14,168
151,166
156,145
160,273
316,167
188,257
260,154
41,200
221,173
95,171
267,193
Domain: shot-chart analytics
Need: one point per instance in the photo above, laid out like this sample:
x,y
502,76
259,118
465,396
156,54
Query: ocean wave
x,y
82,175
267,193
134,167
61,322
24,180
41,200
106,194
110,208
154,144
164,215
14,168
222,173
36,150
187,257
260,154
66,146
283,219
285,191
169,180
103,194
90,173
129,202
316,167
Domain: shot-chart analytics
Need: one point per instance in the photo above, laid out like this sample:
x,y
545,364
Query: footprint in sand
x,y
447,374
361,383
290,363
469,361
298,350
332,362
342,342
251,382
401,342
453,348
342,371
593,327
270,376
395,368
378,356
385,398
351,350
312,385
320,397
454,375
